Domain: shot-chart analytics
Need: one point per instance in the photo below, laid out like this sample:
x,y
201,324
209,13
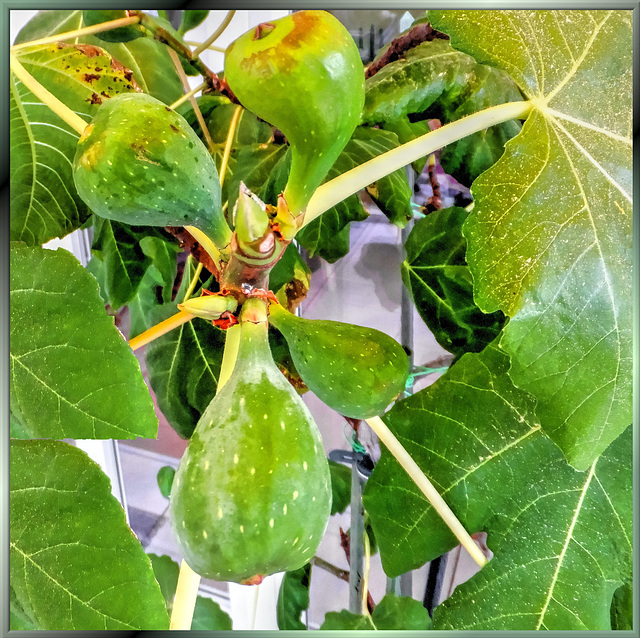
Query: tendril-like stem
x,y
365,576
426,487
237,113
196,109
160,329
194,281
216,34
189,95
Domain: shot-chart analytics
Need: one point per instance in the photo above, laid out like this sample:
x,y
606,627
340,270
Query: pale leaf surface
x,y
556,210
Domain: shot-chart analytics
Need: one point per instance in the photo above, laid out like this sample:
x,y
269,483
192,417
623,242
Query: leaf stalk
x,y
338,189
48,98
160,329
426,487
216,34
78,33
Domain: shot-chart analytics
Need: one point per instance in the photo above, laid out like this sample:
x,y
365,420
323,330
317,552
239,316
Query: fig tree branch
x,y
338,189
420,33
194,105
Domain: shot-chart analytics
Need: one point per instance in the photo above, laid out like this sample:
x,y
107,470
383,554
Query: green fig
x,y
140,163
356,371
303,74
120,34
252,495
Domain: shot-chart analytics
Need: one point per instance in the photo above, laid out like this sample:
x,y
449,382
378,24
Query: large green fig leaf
x,y
573,540
124,253
556,209
293,598
475,435
75,564
433,80
149,60
392,613
207,615
44,201
72,375
183,367
436,273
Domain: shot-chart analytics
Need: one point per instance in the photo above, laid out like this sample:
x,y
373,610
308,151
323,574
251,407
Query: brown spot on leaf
x,y
174,128
89,50
94,99
128,74
90,77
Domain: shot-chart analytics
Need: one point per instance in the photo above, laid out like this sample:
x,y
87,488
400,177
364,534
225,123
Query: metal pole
x,y
356,540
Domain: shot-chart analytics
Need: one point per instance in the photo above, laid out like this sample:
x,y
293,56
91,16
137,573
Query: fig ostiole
x,y
252,495
139,162
357,371
310,68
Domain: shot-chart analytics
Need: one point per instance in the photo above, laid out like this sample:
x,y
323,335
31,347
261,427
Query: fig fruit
x,y
140,163
252,495
354,370
120,34
303,74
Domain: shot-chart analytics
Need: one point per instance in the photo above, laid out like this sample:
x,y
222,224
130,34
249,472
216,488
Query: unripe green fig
x,y
252,495
303,74
138,162
354,370
120,34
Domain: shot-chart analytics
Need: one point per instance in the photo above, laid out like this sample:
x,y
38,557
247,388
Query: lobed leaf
x,y
75,564
556,208
72,375
476,437
573,540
